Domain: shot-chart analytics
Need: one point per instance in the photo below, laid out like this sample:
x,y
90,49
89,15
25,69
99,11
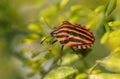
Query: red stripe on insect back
x,y
69,36
66,23
71,30
80,29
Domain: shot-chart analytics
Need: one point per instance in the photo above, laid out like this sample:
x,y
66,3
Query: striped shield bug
x,y
73,35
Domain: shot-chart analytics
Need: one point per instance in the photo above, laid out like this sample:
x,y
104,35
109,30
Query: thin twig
x,y
95,65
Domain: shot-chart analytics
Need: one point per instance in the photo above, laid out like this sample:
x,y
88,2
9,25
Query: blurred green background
x,y
24,24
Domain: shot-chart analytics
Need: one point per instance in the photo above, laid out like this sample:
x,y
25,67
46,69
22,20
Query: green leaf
x,y
114,23
81,76
34,28
112,62
67,59
60,73
104,76
110,7
49,55
99,9
117,50
64,2
114,39
76,7
104,38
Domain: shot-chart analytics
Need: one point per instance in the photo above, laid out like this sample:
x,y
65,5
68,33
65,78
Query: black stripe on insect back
x,y
61,36
74,34
64,41
71,40
74,28
76,40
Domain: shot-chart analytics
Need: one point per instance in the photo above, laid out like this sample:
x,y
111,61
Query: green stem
x,y
95,65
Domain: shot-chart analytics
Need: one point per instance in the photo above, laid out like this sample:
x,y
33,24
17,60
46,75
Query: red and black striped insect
x,y
73,35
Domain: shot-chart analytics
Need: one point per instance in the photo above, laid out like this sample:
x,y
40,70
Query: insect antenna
x,y
44,40
47,23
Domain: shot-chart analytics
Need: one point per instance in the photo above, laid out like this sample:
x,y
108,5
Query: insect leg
x,y
74,50
53,41
61,51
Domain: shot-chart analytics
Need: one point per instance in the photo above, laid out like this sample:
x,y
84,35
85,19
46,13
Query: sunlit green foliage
x,y
25,42
60,73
